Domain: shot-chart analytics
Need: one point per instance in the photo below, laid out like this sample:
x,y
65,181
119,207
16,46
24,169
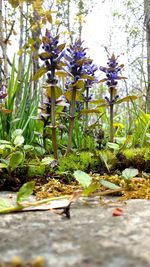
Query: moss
x,y
100,161
75,161
143,153
135,157
129,153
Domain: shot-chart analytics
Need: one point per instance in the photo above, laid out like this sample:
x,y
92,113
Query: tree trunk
x,y
147,24
3,46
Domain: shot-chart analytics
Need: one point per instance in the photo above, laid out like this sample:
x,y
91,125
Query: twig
x,y
10,32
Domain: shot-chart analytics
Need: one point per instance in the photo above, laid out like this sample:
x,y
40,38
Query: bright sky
x,y
102,29
95,31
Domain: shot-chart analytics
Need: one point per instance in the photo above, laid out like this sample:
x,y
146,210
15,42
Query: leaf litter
x,y
101,185
18,262
58,197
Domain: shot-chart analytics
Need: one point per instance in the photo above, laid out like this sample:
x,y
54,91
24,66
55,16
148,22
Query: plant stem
x,y
72,117
53,121
111,116
109,191
87,106
22,206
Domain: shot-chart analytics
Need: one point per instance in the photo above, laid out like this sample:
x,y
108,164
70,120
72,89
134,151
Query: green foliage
x,y
108,158
137,153
4,204
16,159
25,191
26,138
140,127
83,178
134,157
75,161
23,108
15,154
90,189
129,173
36,169
109,184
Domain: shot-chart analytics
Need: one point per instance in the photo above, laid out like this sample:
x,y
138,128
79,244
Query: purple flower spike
x,y
112,72
76,58
54,51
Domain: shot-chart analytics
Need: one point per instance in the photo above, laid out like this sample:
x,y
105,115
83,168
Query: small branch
x,y
10,32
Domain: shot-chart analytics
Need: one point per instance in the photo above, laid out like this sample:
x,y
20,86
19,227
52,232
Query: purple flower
x,y
89,73
112,72
53,51
76,59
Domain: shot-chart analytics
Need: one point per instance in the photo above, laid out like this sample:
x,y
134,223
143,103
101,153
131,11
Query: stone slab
x,y
91,238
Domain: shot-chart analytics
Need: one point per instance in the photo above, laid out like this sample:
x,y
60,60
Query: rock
x,y
91,238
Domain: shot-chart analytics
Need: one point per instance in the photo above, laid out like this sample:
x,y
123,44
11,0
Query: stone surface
x,y
91,238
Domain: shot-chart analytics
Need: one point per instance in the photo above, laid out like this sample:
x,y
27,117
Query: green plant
x,y
12,153
20,116
141,127
52,58
76,62
111,81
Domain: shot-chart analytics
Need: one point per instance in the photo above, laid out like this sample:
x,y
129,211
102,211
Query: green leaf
x,y
39,73
16,159
126,99
83,178
88,111
88,77
4,204
109,184
113,146
58,91
3,147
79,96
3,165
98,101
104,158
61,47
103,80
90,189
61,73
25,191
16,133
148,135
14,3
19,140
129,173
4,142
44,55
79,84
28,148
47,160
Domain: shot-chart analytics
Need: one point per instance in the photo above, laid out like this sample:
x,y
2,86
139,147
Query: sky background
x,y
101,29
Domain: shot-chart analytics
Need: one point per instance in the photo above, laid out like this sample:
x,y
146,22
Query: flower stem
x,y
72,117
87,106
53,121
111,116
